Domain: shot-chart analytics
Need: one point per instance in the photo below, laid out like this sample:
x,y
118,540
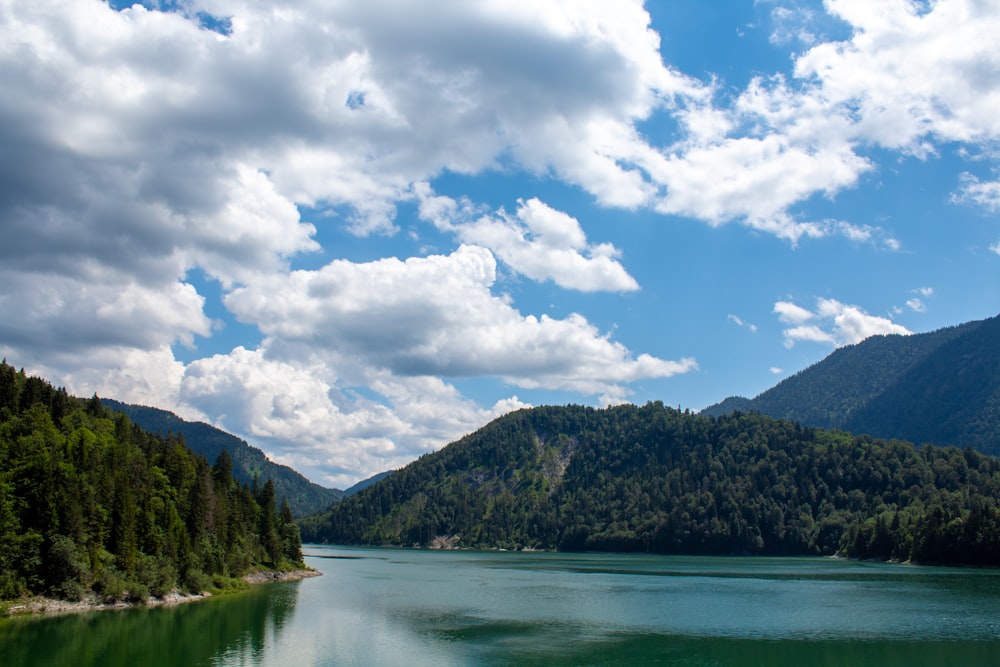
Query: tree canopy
x,y
91,502
654,479
940,387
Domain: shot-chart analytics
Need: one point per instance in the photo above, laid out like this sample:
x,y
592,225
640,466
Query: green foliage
x,y
654,479
244,462
941,387
91,502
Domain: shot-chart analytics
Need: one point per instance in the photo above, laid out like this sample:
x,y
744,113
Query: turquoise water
x,y
401,607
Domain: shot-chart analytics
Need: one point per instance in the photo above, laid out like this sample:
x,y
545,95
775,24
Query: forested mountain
x,y
941,387
655,479
304,497
365,483
90,501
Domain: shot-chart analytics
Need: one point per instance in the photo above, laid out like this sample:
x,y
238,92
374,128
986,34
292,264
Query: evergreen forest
x,y
941,387
249,463
654,479
92,504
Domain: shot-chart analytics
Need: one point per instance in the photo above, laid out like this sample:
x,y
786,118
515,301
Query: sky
x,y
352,232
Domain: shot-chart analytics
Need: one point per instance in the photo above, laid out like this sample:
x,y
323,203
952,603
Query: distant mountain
x,y
941,387
365,483
654,479
304,497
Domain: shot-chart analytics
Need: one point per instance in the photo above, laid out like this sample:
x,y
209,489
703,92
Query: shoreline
x,y
43,606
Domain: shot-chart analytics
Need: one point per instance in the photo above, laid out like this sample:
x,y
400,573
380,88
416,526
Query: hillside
x,y
658,480
91,504
941,387
304,497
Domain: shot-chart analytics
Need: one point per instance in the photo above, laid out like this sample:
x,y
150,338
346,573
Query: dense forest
x,y
941,387
90,502
249,463
653,479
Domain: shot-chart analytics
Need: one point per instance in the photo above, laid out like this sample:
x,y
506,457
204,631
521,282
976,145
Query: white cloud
x,y
810,333
537,241
305,415
313,96
916,304
838,324
62,315
738,321
995,248
973,191
145,377
906,79
791,313
437,316
755,180
911,75
774,370
791,25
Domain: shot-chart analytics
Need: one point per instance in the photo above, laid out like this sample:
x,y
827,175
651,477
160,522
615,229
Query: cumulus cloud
x,y
906,79
791,313
312,95
308,417
60,315
537,241
910,73
437,316
832,322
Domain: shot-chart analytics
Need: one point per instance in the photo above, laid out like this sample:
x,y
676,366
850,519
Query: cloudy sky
x,y
351,232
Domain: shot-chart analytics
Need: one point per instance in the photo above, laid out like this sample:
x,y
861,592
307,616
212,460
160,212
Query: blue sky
x,y
353,232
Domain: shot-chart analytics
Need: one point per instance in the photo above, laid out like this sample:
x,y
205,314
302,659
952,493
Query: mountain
x,y
304,497
365,483
93,505
941,387
654,479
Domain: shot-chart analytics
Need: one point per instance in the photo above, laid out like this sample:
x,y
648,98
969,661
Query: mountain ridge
x,y
941,387
304,497
654,479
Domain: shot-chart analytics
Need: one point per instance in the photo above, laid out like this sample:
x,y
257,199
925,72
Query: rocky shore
x,y
270,576
54,606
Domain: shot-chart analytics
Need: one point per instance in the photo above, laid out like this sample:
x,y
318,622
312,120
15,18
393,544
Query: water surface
x,y
403,607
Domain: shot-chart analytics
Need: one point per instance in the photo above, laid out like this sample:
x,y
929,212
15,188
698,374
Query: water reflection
x,y
413,608
220,632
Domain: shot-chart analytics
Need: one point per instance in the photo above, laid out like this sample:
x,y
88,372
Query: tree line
x,y
90,502
654,479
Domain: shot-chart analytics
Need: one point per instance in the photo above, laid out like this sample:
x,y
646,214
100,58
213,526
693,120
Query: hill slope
x,y
304,497
91,504
655,479
941,387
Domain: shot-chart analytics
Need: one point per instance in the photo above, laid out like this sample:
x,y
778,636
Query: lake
x,y
407,607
